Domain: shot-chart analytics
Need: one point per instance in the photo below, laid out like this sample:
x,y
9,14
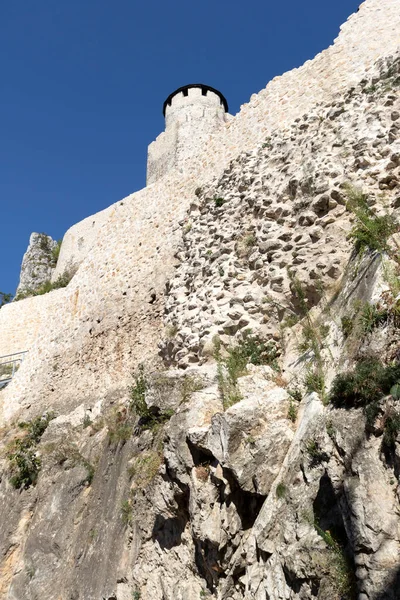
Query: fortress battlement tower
x,y
192,113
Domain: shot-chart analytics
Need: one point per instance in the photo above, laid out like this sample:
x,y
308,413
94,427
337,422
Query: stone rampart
x,y
78,240
367,35
109,318
22,321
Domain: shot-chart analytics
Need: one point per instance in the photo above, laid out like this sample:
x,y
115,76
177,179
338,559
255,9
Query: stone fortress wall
x,y
370,33
109,318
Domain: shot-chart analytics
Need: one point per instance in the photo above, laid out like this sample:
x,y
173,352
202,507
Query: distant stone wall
x,y
78,240
22,321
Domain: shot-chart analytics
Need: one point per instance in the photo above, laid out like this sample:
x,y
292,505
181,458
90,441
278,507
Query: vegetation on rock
x,y
22,452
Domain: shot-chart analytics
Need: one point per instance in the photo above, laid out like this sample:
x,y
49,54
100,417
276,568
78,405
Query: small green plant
x,y
299,294
347,326
251,349
295,394
44,242
21,453
55,252
292,411
395,391
370,231
5,298
138,395
171,331
370,316
338,567
315,453
367,383
314,380
290,321
250,440
136,595
46,287
126,512
219,202
281,490
145,467
391,430
120,427
87,421
148,419
250,240
189,385
330,430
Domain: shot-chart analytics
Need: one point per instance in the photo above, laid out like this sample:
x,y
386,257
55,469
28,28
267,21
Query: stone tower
x,y
192,113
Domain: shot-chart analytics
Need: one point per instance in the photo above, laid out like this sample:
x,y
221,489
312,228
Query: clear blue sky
x,y
83,82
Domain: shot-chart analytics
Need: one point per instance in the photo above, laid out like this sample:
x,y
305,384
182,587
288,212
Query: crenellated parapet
x,y
192,114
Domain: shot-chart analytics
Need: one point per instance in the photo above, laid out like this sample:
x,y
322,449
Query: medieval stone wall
x,y
110,318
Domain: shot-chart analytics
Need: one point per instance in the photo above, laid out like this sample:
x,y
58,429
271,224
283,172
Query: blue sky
x,y
83,82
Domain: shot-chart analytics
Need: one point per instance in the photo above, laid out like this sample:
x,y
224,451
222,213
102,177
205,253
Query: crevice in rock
x,y
247,504
201,456
327,511
168,531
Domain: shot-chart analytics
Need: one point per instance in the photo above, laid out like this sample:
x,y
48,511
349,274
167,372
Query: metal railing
x,y
9,365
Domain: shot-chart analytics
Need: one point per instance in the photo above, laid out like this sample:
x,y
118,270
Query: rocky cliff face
x,y
237,465
38,263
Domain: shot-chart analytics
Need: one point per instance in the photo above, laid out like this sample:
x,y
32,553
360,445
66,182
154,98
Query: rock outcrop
x,y
38,264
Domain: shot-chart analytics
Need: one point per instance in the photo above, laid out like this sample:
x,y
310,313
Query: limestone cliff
x,y
210,408
38,263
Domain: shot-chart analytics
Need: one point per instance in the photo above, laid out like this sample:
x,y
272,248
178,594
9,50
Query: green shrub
x,y
148,419
347,326
299,294
339,567
314,380
126,512
281,490
21,453
370,317
367,383
219,202
145,467
46,286
395,391
44,242
189,385
55,252
315,453
5,298
295,394
370,231
250,350
292,411
391,430
138,395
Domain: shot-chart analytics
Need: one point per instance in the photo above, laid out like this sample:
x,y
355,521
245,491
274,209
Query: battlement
x,y
192,113
188,91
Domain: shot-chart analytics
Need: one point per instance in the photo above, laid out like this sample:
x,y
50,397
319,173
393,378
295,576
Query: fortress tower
x,y
192,113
